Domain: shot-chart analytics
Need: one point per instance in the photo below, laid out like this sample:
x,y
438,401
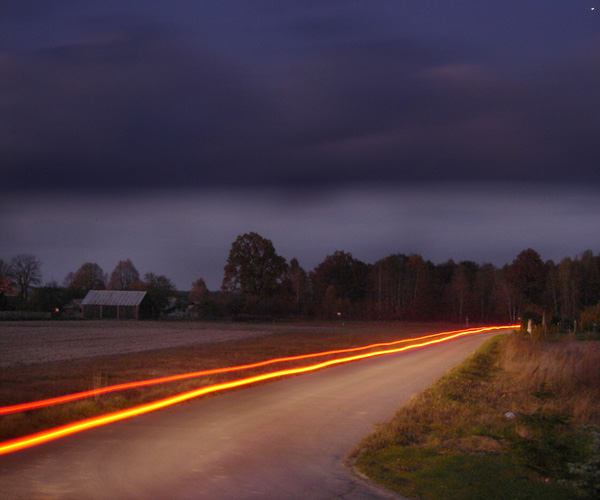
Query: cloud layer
x,y
311,95
188,234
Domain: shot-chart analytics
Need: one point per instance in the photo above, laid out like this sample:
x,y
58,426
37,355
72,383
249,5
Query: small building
x,y
73,309
116,304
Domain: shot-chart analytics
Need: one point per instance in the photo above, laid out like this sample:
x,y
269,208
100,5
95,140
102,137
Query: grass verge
x,y
519,419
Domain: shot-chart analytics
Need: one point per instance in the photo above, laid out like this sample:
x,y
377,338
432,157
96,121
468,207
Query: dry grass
x,y
511,374
461,428
563,375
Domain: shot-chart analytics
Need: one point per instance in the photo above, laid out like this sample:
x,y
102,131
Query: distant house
x,y
12,303
73,309
115,304
10,297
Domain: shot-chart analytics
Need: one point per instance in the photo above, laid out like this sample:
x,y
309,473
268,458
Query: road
x,y
284,440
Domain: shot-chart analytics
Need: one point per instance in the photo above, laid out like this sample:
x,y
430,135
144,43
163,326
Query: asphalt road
x,y
284,440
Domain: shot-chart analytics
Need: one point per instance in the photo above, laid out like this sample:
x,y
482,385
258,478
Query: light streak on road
x,y
34,405
75,427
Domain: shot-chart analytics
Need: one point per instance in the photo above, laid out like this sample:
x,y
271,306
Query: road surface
x,y
284,440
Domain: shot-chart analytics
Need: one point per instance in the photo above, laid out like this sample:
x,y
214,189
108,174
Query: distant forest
x,y
260,284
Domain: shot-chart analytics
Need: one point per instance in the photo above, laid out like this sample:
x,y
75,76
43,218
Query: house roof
x,y
113,298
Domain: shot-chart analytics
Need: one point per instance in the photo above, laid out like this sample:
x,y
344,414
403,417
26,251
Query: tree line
x,y
23,272
259,283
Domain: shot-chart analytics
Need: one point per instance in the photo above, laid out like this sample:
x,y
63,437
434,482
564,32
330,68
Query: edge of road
x,y
365,481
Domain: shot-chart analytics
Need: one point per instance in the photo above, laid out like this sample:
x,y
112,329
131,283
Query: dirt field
x,y
43,341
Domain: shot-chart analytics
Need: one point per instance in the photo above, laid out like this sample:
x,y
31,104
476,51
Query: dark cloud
x,y
403,111
129,106
26,10
138,105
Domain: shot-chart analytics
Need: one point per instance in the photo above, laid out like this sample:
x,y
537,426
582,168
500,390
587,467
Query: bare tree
x,y
299,282
25,271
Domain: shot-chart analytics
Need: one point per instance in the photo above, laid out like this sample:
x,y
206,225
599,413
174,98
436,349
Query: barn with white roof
x,y
118,304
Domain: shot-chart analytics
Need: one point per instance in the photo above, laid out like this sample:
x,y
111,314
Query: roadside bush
x,y
590,318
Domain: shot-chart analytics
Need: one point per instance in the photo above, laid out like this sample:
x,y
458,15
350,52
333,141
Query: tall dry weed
x,y
519,408
563,375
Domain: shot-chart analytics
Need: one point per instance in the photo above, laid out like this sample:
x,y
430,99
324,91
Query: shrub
x,y
590,318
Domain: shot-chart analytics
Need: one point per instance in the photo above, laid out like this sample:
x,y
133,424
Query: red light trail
x,y
72,428
33,405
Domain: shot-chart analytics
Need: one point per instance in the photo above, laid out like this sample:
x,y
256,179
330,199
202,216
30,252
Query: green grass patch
x,y
429,475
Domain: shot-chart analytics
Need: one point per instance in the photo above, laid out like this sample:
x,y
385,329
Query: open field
x,y
45,341
80,356
35,342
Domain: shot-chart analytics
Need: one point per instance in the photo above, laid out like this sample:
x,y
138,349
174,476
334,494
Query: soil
x,y
43,341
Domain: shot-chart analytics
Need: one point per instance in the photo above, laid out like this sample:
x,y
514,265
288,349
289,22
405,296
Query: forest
x,y
262,285
407,287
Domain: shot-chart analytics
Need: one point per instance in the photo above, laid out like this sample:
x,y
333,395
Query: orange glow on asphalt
x,y
34,405
75,427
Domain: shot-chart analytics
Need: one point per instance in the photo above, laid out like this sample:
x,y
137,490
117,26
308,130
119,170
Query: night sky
x,y
160,131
